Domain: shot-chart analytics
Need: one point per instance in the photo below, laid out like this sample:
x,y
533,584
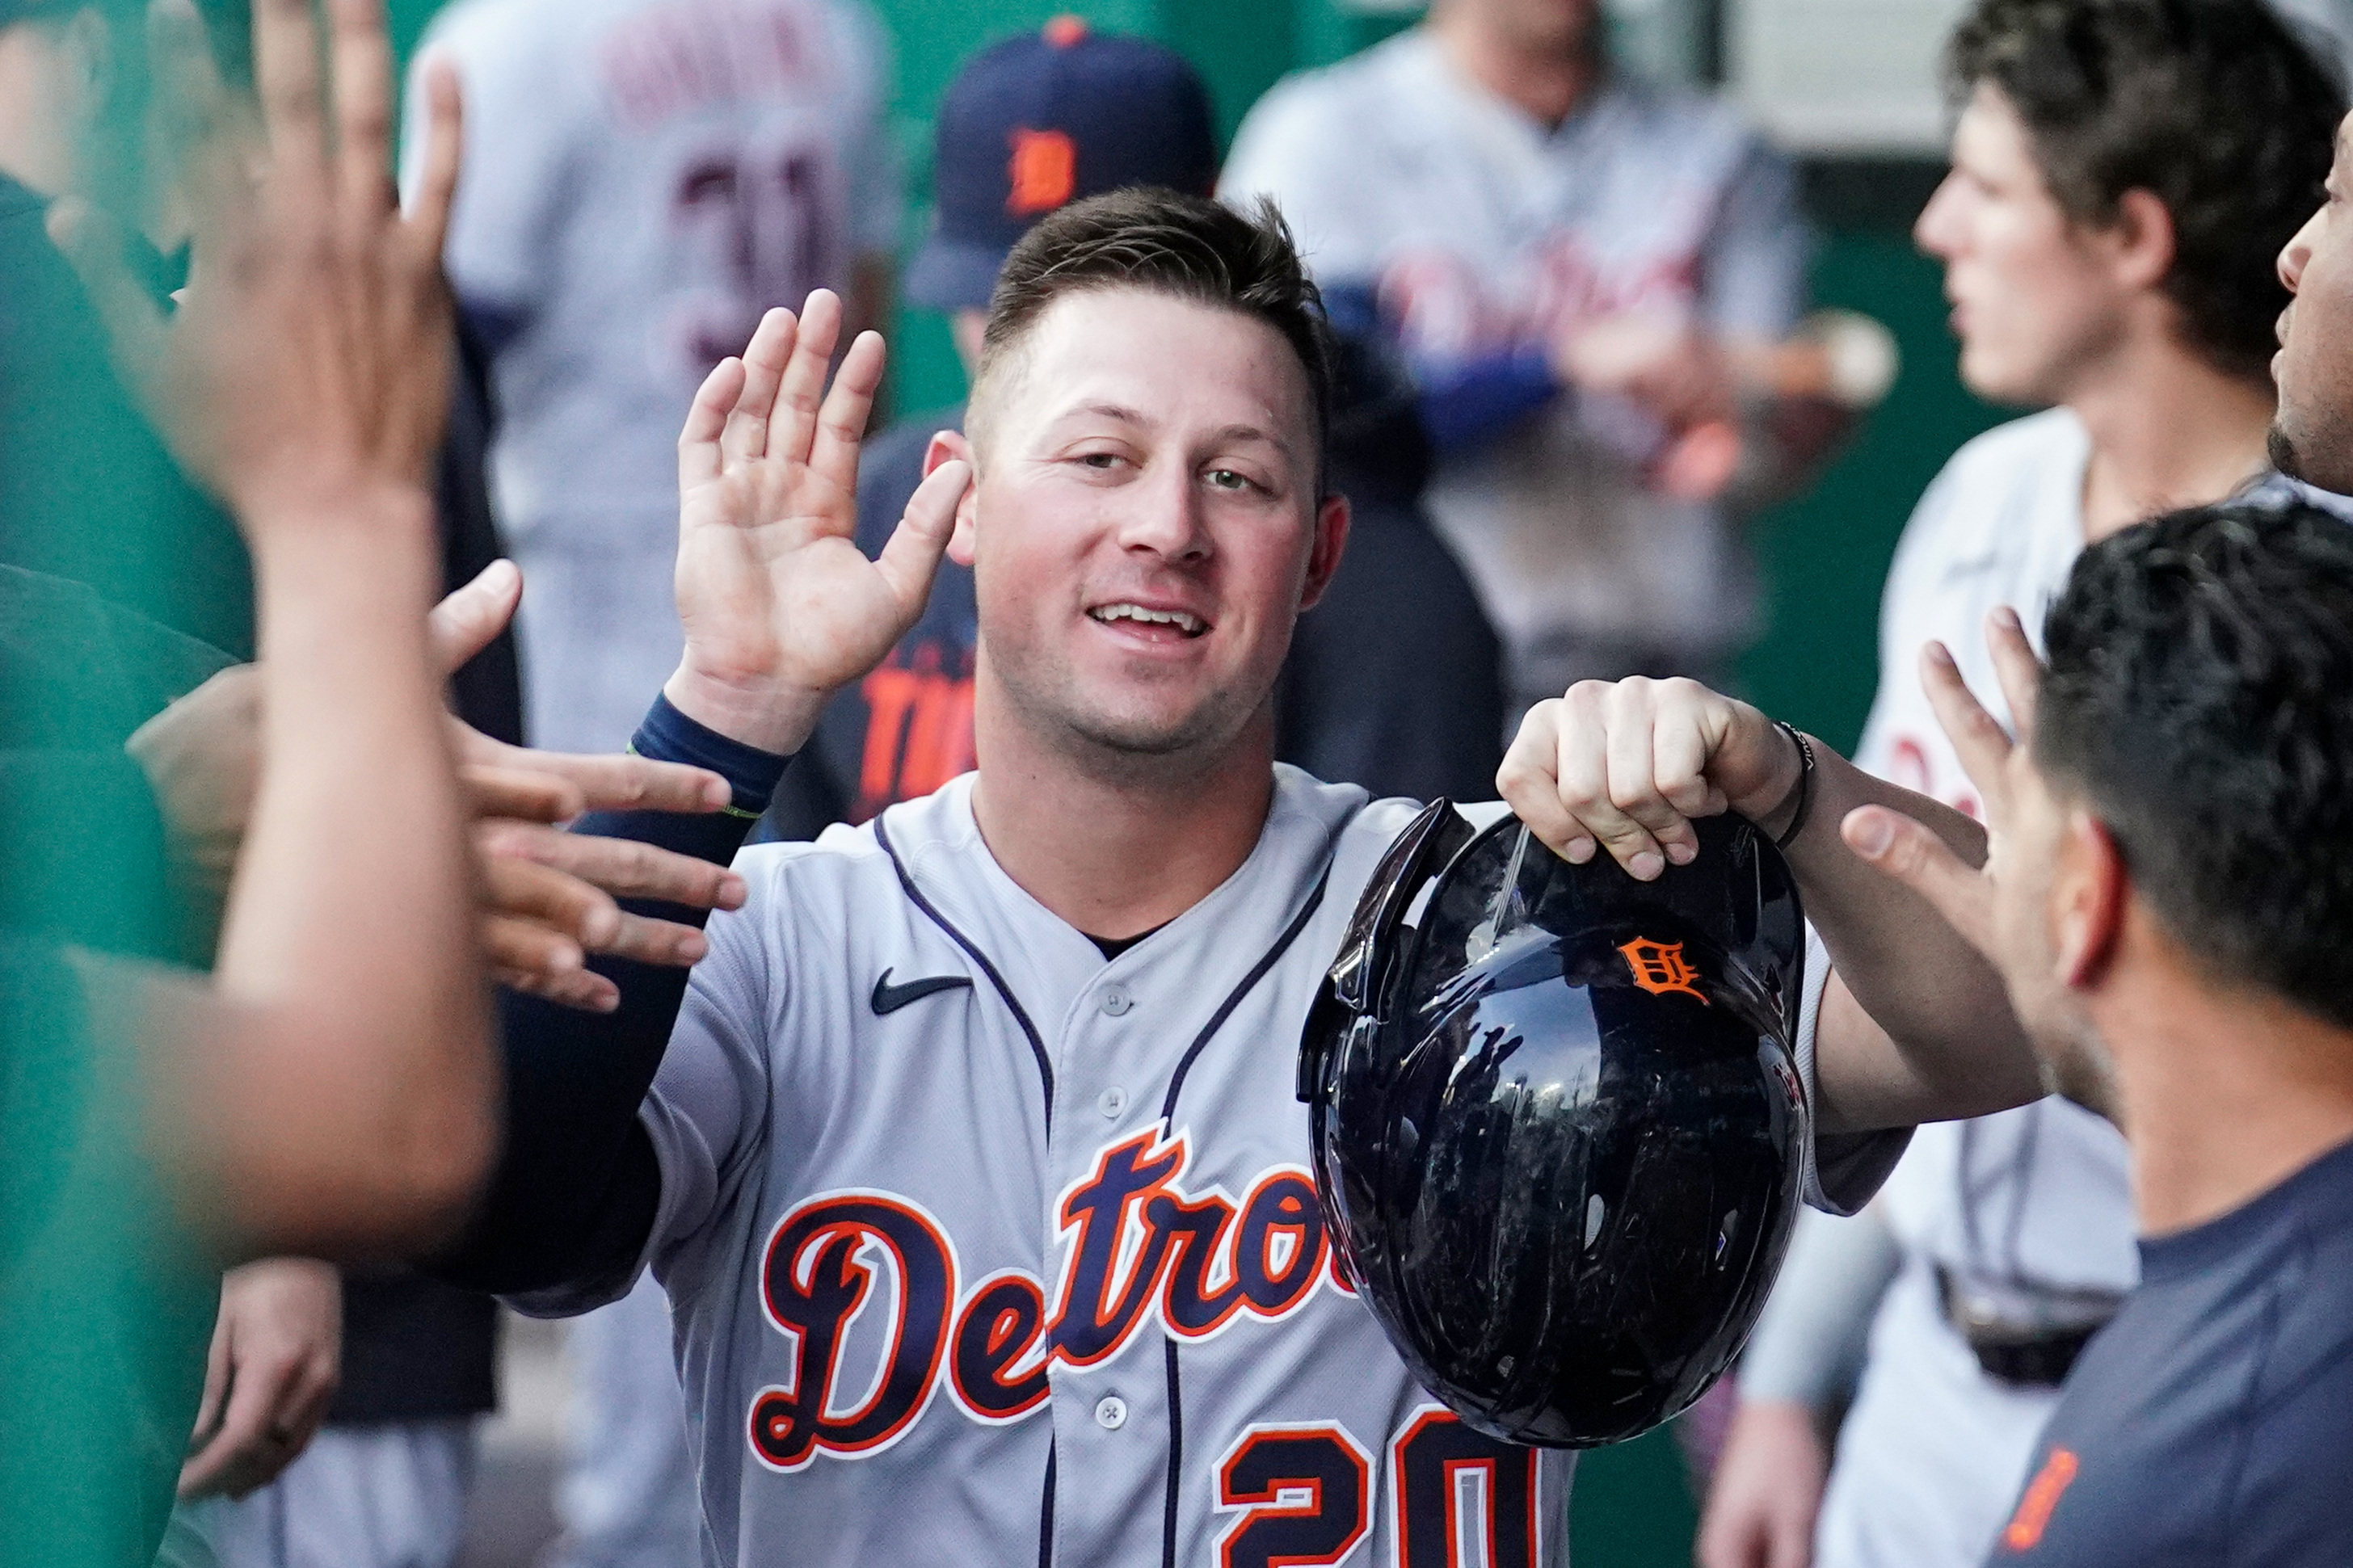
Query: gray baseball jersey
x,y
983,1249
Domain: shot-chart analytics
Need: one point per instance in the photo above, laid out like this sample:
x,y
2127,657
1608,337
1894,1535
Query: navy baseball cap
x,y
1039,121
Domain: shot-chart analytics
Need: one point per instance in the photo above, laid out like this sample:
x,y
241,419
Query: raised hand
x,y
309,362
779,605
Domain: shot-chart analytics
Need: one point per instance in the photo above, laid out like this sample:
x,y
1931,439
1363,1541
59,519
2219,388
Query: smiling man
x,y
974,1168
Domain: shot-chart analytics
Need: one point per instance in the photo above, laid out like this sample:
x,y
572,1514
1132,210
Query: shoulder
x,y
2011,465
1322,109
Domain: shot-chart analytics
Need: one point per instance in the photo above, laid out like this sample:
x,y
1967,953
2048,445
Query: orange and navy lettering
x,y
1307,1493
1446,1478
1041,172
2024,1532
1136,1248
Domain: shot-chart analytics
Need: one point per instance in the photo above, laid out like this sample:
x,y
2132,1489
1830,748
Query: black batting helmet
x,y
1555,1119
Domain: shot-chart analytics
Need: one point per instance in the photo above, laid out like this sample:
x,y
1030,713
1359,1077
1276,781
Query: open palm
x,y
780,606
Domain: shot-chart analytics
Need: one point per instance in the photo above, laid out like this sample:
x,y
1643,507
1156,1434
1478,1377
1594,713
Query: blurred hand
x,y
1656,359
1626,766
549,896
277,1359
203,757
1768,1486
779,605
308,366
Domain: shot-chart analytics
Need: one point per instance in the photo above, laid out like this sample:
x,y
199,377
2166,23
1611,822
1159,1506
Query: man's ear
x,y
948,446
2089,890
2141,240
1324,556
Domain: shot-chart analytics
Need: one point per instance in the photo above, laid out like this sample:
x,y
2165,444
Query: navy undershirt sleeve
x,y
1469,402
574,1196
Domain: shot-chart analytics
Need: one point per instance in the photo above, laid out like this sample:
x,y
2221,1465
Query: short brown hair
x,y
1169,243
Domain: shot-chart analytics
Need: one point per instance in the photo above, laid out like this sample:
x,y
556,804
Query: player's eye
x,y
1230,480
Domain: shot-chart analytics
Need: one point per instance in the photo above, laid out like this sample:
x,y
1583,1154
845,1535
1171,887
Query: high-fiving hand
x,y
779,605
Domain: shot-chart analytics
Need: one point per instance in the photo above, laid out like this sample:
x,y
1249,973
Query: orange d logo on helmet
x,y
1658,967
1042,171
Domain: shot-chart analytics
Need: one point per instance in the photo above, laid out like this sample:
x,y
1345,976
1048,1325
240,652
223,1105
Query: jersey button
x,y
1110,1413
1111,1101
1117,1002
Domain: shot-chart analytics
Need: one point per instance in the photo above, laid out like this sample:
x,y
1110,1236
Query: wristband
x,y
667,735
1804,789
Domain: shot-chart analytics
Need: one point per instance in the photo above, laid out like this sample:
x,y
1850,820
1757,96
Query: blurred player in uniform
x,y
973,1167
2124,174
644,178
1393,682
1584,271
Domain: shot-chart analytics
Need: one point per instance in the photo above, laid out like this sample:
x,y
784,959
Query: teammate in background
x,y
1576,262
974,1168
1393,683
644,178
2124,175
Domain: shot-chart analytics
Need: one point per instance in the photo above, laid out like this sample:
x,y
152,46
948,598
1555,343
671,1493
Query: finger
x,y
361,60
521,947
1637,821
254,1399
792,428
612,782
911,556
644,940
533,794
194,118
2016,666
1982,744
1910,853
700,457
469,619
584,990
1529,784
1679,758
745,437
286,80
527,890
93,243
621,867
842,421
444,142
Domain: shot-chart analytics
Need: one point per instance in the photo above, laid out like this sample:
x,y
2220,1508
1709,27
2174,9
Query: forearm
x,y
576,1188
356,1111
1916,1026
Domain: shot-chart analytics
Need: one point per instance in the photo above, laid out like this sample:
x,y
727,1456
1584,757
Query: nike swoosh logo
x,y
890,998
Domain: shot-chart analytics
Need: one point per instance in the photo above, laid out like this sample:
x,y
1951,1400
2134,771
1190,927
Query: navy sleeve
x,y
573,1199
1466,402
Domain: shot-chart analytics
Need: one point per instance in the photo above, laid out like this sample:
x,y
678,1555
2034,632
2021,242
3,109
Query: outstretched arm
x,y
1915,1025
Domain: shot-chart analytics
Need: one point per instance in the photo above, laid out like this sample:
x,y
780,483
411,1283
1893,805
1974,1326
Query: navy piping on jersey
x,y
1169,1118
1046,1510
915,896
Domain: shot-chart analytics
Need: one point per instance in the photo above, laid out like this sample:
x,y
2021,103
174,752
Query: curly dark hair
x,y
1171,243
2216,107
2199,698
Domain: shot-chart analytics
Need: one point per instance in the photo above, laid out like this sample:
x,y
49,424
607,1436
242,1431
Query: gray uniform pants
x,y
388,1496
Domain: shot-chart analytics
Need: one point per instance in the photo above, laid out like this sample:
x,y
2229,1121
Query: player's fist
x,y
779,605
1626,766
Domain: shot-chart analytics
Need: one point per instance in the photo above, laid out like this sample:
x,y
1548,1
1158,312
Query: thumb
x,y
911,557
472,617
1900,848
93,243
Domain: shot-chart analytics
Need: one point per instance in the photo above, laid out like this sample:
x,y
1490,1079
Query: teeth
x,y
1191,626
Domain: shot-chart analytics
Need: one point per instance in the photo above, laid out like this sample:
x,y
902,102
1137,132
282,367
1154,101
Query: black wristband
x,y
667,735
1804,790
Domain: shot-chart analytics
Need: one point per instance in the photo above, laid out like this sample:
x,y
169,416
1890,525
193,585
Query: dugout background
x,y
1868,168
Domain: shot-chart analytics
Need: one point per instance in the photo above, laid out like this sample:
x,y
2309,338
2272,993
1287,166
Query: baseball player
x,y
2133,291
974,1169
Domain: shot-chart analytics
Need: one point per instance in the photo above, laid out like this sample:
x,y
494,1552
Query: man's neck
x,y
2168,430
2224,1094
1115,851
1546,84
